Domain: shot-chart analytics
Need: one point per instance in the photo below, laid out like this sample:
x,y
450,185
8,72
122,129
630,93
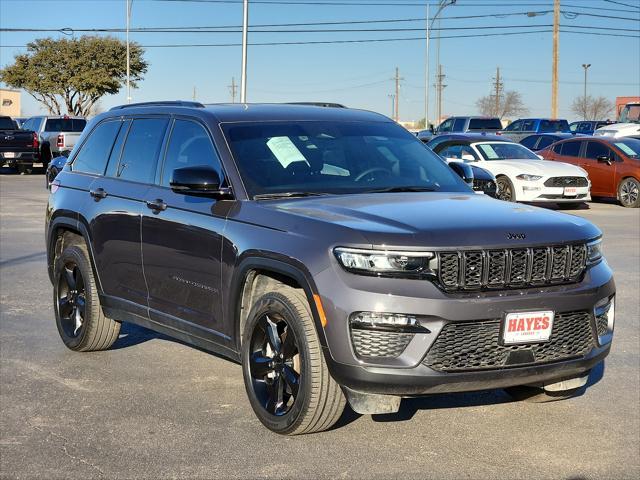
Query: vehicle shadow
x,y
32,257
410,406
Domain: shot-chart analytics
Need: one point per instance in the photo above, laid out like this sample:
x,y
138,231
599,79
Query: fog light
x,y
386,321
530,189
604,312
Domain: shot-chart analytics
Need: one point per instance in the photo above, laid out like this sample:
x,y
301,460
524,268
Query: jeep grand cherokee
x,y
327,250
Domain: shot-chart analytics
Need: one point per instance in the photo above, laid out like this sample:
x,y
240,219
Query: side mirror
x,y
464,171
604,159
198,180
468,158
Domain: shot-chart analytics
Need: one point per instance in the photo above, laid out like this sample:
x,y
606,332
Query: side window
x,y
597,149
446,126
545,142
514,126
557,148
530,142
92,157
571,149
452,151
189,145
141,148
458,124
574,126
529,126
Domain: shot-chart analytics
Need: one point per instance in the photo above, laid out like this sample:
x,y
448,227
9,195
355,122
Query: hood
x,y
425,220
543,168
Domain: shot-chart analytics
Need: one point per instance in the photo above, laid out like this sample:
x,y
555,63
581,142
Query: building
x,y
10,102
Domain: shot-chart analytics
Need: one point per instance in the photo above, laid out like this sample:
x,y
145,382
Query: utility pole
x,y
440,86
233,88
497,85
397,79
245,31
128,4
584,97
556,53
393,105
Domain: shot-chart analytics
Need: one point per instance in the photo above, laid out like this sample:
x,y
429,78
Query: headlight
x,y
594,252
528,178
381,262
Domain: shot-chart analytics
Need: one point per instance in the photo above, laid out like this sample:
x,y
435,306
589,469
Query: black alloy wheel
x,y
71,300
274,364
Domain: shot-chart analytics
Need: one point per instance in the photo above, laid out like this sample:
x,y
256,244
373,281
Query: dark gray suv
x,y
327,250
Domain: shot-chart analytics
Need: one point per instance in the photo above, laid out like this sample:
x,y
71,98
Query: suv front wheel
x,y
285,374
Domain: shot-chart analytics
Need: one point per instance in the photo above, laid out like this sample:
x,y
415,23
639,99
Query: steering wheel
x,y
371,170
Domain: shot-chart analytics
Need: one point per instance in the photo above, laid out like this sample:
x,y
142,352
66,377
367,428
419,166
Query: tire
x,y
81,324
45,156
314,401
629,192
505,189
538,395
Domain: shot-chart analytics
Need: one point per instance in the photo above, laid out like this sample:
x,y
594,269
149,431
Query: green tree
x,y
71,75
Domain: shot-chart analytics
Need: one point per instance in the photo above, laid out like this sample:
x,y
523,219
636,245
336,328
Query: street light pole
x,y
128,4
584,97
442,5
245,28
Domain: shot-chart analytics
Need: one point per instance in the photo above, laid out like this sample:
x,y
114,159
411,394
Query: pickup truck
x,y
18,148
57,134
519,129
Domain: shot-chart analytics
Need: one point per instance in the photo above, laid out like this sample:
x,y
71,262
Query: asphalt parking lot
x,y
154,408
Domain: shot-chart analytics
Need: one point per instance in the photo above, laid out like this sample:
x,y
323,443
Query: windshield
x,y
630,146
553,126
335,157
505,151
630,113
485,124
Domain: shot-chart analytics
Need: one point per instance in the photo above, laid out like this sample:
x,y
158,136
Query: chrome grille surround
x,y
511,267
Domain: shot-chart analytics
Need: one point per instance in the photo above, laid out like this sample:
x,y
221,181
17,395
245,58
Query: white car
x,y
522,176
618,130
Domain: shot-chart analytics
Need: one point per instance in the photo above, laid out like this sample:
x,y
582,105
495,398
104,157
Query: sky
x,y
356,74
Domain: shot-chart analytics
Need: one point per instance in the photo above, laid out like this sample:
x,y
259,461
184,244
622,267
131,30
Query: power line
x,y
623,4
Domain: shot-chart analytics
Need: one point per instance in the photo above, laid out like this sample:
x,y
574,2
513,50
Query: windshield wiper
x,y
401,189
269,196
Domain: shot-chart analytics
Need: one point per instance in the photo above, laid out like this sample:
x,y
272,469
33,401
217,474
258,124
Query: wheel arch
x,y
254,275
622,179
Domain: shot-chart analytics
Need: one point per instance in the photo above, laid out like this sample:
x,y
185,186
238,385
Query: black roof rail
x,y
318,104
166,103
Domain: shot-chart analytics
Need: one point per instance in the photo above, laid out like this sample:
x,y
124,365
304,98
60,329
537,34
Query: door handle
x,y
98,193
157,205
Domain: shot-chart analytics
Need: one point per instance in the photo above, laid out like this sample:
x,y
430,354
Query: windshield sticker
x,y
285,151
489,151
626,148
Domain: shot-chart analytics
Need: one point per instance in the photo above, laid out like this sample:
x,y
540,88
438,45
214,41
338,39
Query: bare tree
x,y
509,104
592,108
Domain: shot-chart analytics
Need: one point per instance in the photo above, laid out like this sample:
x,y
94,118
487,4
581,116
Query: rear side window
x,y
189,146
485,124
65,125
554,126
545,142
571,149
140,153
529,126
458,124
7,124
530,142
92,157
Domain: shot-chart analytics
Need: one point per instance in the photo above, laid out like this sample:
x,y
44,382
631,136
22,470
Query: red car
x,y
613,165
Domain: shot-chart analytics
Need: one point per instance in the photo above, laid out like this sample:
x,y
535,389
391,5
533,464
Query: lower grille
x,y
463,346
379,344
566,182
511,268
602,324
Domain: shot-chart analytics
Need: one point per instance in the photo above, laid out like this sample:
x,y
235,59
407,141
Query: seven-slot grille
x,y
566,182
511,268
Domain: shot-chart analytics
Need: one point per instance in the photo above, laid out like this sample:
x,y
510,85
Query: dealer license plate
x,y
570,191
9,155
527,327
38,164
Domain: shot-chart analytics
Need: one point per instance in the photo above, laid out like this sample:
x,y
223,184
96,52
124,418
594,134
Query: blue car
x,y
54,168
587,127
524,127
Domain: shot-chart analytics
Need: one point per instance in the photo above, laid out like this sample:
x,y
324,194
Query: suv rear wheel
x,y
79,318
285,374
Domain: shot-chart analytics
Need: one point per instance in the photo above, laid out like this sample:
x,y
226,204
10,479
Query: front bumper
x,y
407,373
539,193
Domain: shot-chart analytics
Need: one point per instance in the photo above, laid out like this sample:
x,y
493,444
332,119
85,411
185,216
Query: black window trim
x,y
76,151
165,146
